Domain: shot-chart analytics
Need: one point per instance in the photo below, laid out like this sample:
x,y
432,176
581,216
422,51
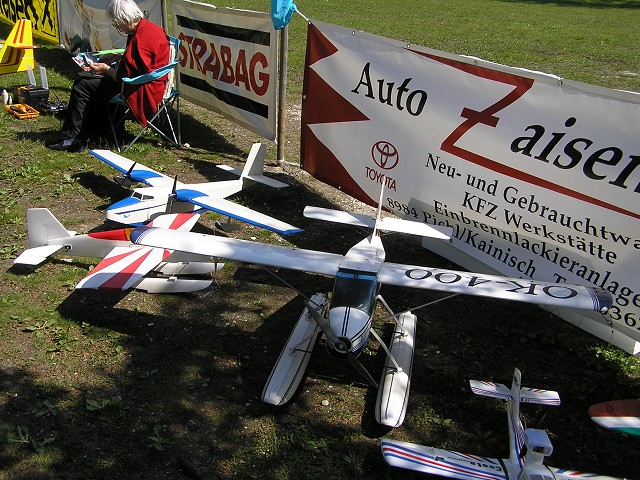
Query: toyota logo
x,y
384,155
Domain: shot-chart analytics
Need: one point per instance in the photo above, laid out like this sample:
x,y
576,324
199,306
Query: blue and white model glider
x,y
165,194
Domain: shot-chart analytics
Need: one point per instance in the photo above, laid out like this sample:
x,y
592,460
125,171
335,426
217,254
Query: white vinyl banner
x,y
538,176
85,26
228,63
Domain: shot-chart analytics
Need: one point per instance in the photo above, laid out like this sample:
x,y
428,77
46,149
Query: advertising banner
x,y
42,13
539,177
85,25
228,63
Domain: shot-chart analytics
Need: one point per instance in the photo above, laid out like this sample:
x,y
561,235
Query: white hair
x,y
124,11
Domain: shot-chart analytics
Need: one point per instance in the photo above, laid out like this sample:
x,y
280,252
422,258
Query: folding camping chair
x,y
162,117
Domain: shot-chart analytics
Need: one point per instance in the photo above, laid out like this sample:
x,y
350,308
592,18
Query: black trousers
x,y
88,107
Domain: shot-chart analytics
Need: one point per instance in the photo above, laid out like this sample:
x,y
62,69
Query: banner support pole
x,y
165,21
282,94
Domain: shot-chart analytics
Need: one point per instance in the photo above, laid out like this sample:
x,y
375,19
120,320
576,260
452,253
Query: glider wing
x,y
133,171
516,289
240,212
123,268
441,462
239,250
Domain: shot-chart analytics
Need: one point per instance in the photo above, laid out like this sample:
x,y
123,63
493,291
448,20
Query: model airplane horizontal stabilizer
x,y
123,265
390,224
35,256
527,447
165,194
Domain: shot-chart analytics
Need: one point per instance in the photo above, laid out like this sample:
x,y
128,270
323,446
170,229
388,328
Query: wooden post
x,y
163,6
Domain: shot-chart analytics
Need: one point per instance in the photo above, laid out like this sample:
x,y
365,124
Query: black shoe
x,y
68,145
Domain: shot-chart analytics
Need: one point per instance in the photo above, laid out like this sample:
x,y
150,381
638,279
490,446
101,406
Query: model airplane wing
x,y
620,415
132,171
123,268
239,250
543,293
446,463
516,289
240,212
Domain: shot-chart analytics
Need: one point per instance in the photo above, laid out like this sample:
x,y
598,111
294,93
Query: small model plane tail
x,y
514,396
16,54
516,392
253,170
42,226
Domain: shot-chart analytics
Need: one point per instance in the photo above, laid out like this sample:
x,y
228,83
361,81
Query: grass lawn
x,y
103,385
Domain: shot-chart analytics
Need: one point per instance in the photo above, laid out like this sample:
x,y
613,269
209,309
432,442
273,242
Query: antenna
x,y
379,213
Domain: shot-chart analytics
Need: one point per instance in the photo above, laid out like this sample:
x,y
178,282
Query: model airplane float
x,y
167,195
124,265
527,447
346,320
620,415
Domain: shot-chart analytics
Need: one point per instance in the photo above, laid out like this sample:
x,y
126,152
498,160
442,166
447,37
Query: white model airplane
x,y
167,195
346,320
124,265
527,447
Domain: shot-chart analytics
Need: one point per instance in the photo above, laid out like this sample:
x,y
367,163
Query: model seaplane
x,y
346,320
527,447
165,194
124,265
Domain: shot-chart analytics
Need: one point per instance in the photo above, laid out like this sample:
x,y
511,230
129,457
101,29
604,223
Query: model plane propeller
x,y
527,447
123,265
166,194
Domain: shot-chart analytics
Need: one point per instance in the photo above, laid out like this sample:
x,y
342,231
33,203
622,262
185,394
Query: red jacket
x,y
147,49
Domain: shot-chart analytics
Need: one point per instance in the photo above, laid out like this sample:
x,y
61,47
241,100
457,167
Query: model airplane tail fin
x,y
16,54
43,227
254,168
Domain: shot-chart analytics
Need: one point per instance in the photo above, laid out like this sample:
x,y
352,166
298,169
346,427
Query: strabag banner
x,y
228,63
539,177
86,27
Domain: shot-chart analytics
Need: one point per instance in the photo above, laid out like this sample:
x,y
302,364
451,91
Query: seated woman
x,y
147,49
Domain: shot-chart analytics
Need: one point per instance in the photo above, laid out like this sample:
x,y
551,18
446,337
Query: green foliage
x,y
97,405
158,442
52,334
25,438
